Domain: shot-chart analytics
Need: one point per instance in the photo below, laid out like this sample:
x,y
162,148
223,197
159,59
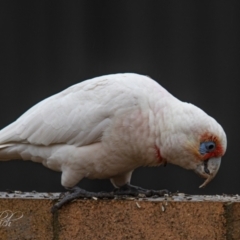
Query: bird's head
x,y
211,148
197,142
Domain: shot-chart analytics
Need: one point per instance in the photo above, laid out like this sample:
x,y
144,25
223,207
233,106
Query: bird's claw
x,y
126,190
136,191
75,193
159,193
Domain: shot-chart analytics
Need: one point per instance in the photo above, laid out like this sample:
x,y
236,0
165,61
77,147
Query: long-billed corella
x,y
108,126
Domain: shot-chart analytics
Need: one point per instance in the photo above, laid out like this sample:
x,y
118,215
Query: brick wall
x,y
28,216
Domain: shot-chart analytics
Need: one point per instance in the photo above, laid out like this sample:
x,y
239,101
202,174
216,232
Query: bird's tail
x,y
5,145
3,148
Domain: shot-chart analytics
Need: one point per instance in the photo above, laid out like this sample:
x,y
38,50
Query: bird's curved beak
x,y
208,169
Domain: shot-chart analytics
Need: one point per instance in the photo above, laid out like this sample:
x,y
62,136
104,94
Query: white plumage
x,y
108,126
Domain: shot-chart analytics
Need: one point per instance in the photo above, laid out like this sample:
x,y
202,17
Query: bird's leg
x,y
128,189
77,192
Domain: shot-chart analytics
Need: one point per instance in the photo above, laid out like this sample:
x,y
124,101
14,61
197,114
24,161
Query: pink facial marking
x,y
218,152
158,155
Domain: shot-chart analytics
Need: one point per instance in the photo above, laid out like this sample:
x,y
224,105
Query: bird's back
x,y
79,114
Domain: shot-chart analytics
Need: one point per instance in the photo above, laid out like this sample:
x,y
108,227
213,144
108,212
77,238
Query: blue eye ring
x,y
207,147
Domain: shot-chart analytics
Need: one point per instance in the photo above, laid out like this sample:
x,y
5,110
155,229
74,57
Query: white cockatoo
x,y
108,126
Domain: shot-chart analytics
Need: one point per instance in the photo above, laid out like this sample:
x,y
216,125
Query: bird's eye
x,y
210,146
206,147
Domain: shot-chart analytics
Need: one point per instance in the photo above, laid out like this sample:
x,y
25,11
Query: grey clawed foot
x,y
131,190
75,193
126,190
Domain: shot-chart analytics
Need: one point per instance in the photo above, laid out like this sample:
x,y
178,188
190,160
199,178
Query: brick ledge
x,y
28,216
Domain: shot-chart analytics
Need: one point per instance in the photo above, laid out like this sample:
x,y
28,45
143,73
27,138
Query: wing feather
x,y
73,116
80,114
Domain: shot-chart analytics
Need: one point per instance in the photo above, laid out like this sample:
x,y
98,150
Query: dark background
x,y
192,48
